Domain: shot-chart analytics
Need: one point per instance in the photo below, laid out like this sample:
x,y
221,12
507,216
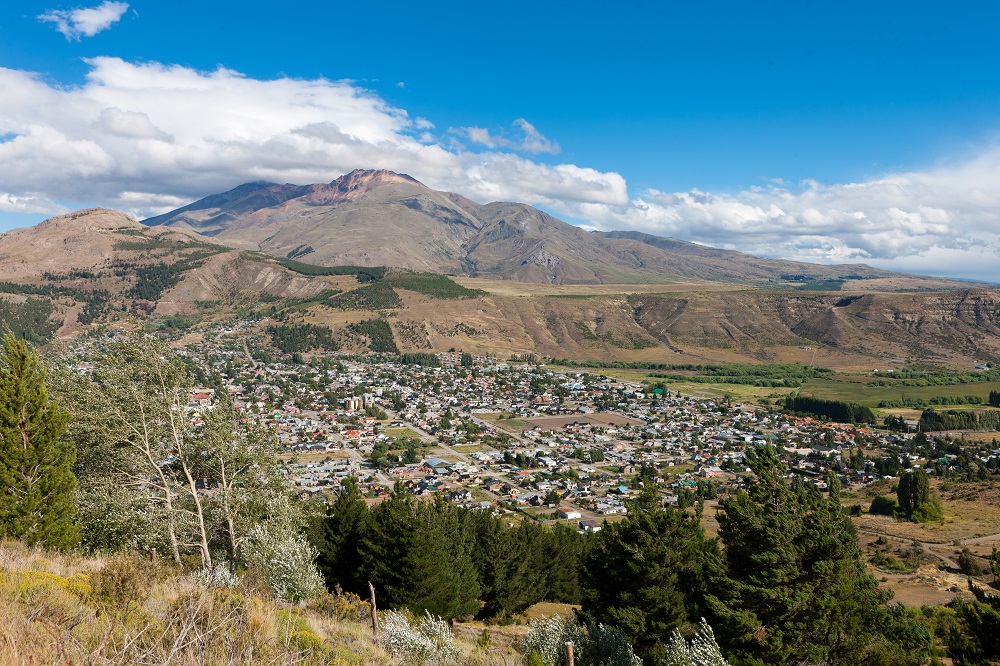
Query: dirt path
x,y
926,546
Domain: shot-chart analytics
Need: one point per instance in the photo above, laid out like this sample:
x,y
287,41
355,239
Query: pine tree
x,y
338,536
511,572
794,587
646,574
36,481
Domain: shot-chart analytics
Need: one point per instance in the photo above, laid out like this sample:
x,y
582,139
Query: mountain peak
x,y
360,181
91,219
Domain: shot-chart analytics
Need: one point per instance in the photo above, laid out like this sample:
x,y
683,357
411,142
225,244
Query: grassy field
x,y
401,432
971,510
859,389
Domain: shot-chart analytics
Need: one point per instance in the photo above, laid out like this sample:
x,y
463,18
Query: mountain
x,y
380,218
75,272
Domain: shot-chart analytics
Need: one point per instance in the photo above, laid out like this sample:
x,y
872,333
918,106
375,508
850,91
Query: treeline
x,y
765,375
302,337
907,377
953,419
994,398
919,403
450,561
381,293
786,566
431,284
379,334
787,382
835,410
363,273
95,301
425,359
152,280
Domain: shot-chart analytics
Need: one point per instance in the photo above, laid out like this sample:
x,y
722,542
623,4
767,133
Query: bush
x,y
883,505
429,641
594,644
968,563
123,579
928,512
702,650
286,560
219,576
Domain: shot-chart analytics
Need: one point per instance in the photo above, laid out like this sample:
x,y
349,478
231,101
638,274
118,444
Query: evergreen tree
x,y
563,553
647,574
337,537
509,562
386,544
36,502
442,577
794,587
417,556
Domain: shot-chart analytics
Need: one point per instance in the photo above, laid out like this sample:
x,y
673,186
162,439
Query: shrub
x,y
123,579
702,650
219,576
928,512
968,564
429,641
883,505
286,560
593,645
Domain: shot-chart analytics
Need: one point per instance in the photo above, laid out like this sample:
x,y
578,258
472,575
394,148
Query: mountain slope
x,y
373,218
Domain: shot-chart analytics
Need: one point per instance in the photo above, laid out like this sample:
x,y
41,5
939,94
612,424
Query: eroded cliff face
x,y
934,326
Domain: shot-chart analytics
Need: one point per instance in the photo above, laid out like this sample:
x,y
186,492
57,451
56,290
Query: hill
x,y
96,264
380,218
73,608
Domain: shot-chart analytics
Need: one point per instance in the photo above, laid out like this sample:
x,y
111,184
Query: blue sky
x,y
839,132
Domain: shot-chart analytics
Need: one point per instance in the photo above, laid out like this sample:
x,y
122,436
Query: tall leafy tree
x,y
36,481
914,494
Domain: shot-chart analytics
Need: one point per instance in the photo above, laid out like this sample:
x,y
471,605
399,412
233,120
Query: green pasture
x,y
859,389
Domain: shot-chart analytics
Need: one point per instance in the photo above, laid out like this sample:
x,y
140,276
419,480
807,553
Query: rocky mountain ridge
x,y
377,217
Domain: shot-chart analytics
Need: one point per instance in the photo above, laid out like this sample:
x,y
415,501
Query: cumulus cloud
x,y
914,221
85,21
147,138
143,136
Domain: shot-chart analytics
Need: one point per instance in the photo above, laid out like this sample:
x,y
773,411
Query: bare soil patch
x,y
549,422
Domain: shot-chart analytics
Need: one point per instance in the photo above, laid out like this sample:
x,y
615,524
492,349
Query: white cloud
x,y
138,136
529,139
919,221
147,138
85,21
29,204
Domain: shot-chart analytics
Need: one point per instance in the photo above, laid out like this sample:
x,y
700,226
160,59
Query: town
x,y
516,436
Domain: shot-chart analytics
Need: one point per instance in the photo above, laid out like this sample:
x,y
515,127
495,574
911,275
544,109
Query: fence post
x,y
374,611
569,653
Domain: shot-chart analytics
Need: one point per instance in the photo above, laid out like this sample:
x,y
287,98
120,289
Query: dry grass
x,y
70,609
